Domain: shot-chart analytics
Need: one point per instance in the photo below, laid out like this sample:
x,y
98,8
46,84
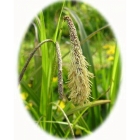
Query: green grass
x,y
40,83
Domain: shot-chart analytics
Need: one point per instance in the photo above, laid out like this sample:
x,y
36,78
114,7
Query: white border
x,y
114,127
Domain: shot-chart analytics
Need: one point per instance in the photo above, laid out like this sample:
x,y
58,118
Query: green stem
x,y
31,55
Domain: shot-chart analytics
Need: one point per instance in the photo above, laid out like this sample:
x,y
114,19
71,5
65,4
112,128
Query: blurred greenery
x,y
39,86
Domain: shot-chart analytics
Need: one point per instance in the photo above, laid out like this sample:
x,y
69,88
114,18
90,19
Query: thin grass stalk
x,y
58,25
66,119
94,33
76,120
30,57
65,123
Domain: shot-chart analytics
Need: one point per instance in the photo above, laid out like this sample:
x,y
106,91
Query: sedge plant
x,y
69,89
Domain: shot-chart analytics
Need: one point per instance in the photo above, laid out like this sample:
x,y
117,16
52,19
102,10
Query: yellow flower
x,y
78,132
61,104
110,58
55,79
29,105
111,50
24,95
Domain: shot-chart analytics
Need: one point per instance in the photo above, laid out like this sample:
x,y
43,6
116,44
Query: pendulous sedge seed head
x,y
79,77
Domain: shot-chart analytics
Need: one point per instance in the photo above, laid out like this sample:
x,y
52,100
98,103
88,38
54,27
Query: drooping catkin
x,y
78,77
60,78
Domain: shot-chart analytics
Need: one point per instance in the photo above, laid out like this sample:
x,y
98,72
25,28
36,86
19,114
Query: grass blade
x,y
66,119
45,98
92,34
31,93
115,76
58,25
91,104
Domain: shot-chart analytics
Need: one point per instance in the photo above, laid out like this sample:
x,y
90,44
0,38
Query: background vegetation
x,y
39,86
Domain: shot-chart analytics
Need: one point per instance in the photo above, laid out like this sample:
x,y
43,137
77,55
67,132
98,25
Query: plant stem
x,y
66,119
31,55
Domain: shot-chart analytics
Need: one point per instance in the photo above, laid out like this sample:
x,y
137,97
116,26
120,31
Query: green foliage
x,y
39,85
